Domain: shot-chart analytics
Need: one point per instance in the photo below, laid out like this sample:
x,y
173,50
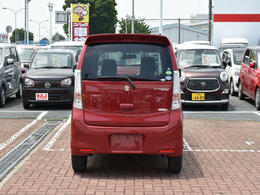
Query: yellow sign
x,y
80,13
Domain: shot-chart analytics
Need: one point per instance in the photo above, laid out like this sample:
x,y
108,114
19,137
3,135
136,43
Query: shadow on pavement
x,y
140,167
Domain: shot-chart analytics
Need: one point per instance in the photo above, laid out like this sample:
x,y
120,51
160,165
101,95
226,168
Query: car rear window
x,y
134,60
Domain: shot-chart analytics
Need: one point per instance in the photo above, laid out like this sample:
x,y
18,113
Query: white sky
x,y
38,10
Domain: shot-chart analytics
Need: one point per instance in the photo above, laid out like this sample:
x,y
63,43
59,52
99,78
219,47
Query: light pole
x,y
68,10
15,19
39,23
161,17
133,16
26,22
50,5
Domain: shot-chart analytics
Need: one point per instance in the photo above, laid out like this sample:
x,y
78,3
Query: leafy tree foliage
x,y
140,26
103,15
58,37
20,35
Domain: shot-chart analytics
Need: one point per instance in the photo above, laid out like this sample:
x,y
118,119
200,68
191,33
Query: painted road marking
x,y
17,111
222,150
221,112
58,133
186,146
257,113
3,145
249,143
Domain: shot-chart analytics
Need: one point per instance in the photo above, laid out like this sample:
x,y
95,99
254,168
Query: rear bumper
x,y
168,138
205,102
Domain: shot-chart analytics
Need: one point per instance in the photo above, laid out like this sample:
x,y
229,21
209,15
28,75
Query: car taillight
x,y
176,95
77,90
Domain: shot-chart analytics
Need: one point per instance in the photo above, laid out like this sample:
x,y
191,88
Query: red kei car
x,y
127,99
249,80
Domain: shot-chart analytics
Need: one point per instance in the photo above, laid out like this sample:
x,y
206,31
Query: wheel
x,y
241,96
79,163
257,99
224,106
19,92
175,164
2,97
26,105
232,91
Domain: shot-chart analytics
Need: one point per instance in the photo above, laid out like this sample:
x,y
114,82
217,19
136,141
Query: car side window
x,y
7,53
253,56
246,58
224,56
14,54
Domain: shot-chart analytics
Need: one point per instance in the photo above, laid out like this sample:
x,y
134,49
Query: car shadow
x,y
12,102
200,107
51,107
132,166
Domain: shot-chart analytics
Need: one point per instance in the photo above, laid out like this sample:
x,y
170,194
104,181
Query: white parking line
x,y
257,113
58,133
17,111
3,145
220,112
186,146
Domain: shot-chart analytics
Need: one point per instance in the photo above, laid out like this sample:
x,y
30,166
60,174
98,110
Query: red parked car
x,y
127,99
249,80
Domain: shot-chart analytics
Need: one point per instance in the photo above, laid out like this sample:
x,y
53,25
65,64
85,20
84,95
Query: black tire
x,y
2,97
232,91
257,99
79,163
224,106
26,105
241,96
175,164
19,92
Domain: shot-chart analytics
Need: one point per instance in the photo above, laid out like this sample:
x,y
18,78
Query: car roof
x,y
255,48
65,51
233,40
197,42
195,46
68,43
6,45
127,38
234,49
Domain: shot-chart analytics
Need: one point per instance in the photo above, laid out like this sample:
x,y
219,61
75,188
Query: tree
x,y
140,26
102,15
20,35
58,37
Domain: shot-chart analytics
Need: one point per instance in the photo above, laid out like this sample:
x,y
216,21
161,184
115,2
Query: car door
x,y
9,72
244,77
17,68
252,77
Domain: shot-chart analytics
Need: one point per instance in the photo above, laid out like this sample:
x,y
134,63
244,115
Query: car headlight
x,y
237,72
182,77
223,76
66,82
29,82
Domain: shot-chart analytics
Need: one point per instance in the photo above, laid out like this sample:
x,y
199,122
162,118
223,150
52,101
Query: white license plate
x,y
41,96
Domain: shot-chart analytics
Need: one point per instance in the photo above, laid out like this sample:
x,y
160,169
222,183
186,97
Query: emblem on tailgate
x,y
47,85
126,88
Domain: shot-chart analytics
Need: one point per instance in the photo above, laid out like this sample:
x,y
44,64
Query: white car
x,y
232,59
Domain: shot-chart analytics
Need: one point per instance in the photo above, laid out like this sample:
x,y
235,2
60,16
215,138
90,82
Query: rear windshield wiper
x,y
118,77
63,67
47,67
202,66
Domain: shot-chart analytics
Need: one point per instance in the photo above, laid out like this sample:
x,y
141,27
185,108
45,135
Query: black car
x,y
50,78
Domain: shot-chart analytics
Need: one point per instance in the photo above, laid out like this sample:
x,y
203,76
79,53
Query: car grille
x,y
203,84
41,84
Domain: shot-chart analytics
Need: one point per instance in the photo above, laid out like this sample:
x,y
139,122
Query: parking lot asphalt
x,y
221,155
220,158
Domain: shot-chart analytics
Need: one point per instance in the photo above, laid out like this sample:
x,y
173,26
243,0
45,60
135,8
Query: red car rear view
x,y
127,99
249,80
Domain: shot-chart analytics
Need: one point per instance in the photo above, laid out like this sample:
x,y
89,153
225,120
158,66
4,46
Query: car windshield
x,y
238,56
52,60
201,57
131,60
26,55
1,55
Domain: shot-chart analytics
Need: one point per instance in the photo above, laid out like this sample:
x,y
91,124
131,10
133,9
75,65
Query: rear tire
x,y
241,96
79,163
175,164
257,99
232,91
26,105
2,97
224,106
19,92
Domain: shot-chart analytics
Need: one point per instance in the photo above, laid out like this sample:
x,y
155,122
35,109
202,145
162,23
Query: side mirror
x,y
252,64
224,64
9,61
26,65
75,66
